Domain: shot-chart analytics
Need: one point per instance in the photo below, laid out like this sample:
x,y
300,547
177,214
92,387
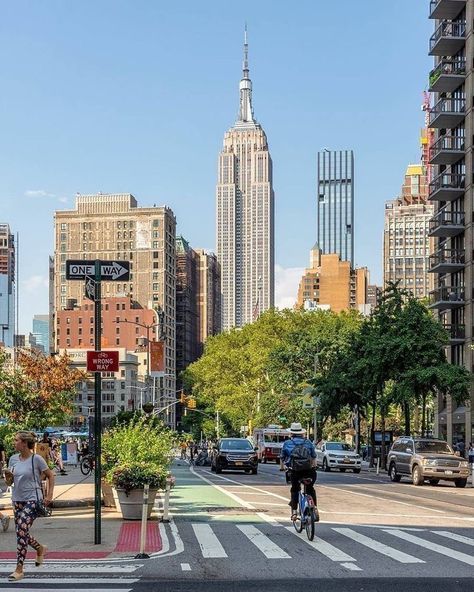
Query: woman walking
x,y
25,471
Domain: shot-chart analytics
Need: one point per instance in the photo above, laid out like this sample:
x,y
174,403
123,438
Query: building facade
x,y
7,286
335,203
41,331
332,284
209,297
451,84
245,215
407,242
113,227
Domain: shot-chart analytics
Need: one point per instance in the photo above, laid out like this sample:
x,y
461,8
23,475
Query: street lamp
x,y
139,388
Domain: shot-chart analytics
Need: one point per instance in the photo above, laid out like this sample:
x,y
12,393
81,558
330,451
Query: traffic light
x,y
182,398
191,403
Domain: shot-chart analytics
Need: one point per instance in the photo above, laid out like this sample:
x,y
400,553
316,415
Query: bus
x,y
269,442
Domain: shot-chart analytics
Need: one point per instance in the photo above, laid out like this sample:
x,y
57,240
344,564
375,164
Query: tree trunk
x,y
406,411
423,415
371,443
383,459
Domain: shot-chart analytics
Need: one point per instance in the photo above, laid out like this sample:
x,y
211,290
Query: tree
x,y
39,391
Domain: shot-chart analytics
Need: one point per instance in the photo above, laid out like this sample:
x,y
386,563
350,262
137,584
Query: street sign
x,y
102,361
89,289
110,271
308,402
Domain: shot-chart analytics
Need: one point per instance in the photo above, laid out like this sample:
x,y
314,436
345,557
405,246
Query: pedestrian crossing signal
x,y
192,403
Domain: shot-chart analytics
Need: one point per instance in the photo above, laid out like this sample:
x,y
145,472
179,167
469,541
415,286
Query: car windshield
x,y
433,446
337,446
236,445
275,438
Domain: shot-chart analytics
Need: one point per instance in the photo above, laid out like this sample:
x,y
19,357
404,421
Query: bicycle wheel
x,y
298,523
309,522
86,466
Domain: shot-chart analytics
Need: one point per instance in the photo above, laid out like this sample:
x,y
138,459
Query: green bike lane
x,y
197,500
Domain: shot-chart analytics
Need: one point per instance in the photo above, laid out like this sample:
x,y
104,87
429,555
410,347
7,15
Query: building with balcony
x,y
332,284
450,191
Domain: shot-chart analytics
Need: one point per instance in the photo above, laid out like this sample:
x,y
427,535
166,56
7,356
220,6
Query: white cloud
x,y
62,199
286,285
38,193
35,283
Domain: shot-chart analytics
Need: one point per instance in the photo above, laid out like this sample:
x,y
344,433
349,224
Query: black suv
x,y
234,454
426,458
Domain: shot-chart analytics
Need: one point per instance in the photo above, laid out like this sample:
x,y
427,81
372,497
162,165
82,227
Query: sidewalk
x,y
69,532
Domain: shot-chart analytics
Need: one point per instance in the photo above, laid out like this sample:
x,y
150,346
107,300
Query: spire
x,y
246,111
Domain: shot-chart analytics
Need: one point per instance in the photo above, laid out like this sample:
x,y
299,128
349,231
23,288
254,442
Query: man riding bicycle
x,y
299,457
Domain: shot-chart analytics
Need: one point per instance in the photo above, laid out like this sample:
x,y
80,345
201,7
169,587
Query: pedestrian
x,y
4,518
471,453
461,447
25,472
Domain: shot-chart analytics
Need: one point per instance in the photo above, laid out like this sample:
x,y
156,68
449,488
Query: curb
x,y
72,503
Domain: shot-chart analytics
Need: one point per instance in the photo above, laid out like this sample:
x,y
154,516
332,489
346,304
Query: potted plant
x,y
133,455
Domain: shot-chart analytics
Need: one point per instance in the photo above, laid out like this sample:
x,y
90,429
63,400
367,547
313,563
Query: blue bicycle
x,y
306,514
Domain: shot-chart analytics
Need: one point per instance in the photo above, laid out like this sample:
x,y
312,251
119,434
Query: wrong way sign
x,y
110,271
102,361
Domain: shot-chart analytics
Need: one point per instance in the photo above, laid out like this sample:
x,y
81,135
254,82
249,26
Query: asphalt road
x,y
232,532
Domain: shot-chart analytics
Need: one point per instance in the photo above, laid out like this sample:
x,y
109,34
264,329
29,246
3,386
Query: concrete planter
x,y
131,503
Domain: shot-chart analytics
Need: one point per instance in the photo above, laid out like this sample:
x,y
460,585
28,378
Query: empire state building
x,y
245,215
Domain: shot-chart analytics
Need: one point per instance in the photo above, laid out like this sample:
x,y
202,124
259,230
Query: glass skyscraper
x,y
335,203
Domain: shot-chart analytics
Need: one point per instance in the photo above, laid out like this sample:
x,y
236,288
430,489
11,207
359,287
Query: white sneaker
x,y
5,523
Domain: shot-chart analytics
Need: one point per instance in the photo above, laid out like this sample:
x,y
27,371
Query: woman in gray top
x,y
25,471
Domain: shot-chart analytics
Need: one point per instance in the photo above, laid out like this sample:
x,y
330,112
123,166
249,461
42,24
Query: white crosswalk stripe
x,y
330,551
262,542
378,546
455,537
410,538
209,543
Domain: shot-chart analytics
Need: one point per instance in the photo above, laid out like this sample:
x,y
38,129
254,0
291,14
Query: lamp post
x,y
139,388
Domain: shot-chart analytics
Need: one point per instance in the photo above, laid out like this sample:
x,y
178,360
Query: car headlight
x,y
430,462
464,464
332,455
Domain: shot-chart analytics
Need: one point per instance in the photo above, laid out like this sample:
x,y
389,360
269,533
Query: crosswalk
x,y
346,546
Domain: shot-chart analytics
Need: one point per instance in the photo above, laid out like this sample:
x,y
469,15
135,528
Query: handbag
x,y
42,510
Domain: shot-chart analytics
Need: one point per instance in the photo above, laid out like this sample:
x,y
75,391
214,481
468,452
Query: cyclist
x,y
299,457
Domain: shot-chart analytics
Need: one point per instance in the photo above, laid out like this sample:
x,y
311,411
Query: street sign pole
x,y
98,407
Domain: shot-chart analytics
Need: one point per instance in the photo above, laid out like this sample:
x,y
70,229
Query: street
x,y
232,532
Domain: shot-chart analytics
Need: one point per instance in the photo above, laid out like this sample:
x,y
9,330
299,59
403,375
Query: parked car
x,y
426,459
337,455
234,454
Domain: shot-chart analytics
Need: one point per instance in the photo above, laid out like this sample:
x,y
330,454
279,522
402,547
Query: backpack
x,y
300,458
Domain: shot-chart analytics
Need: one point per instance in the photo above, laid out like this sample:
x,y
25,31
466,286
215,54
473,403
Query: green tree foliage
x,y
39,391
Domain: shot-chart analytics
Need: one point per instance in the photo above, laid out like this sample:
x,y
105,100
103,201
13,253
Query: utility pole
x,y
315,401
217,423
97,407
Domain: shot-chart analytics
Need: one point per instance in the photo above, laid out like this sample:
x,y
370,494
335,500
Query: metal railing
x,y
447,66
448,105
455,331
447,143
447,181
447,294
456,29
448,257
447,218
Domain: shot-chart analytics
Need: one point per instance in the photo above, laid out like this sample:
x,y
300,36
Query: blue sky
x,y
135,96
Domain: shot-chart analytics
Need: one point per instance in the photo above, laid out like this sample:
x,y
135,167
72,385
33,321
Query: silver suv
x,y
426,458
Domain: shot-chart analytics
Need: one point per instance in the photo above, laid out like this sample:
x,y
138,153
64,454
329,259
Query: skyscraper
x,y
245,215
450,189
7,286
335,203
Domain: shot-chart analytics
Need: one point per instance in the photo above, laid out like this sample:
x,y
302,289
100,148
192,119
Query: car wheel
x,y
394,476
460,482
213,469
277,461
326,467
356,470
434,481
417,476
254,471
218,471
264,460
342,470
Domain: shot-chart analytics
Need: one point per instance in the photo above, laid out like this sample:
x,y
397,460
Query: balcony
x,y
447,113
448,39
447,150
446,9
448,75
457,333
447,224
446,187
447,298
447,261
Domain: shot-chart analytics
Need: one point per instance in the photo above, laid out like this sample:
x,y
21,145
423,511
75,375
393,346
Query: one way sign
x,y
110,271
